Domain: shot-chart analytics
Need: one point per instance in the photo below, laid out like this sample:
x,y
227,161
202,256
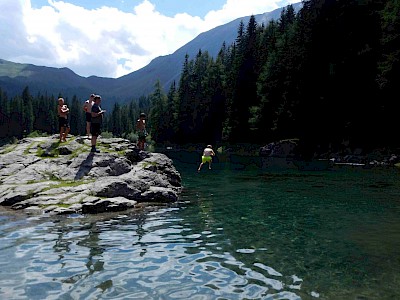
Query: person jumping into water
x,y
208,153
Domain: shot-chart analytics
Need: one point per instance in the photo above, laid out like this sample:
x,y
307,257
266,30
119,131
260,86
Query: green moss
x,y
63,205
67,184
8,149
37,133
78,151
147,164
54,152
26,151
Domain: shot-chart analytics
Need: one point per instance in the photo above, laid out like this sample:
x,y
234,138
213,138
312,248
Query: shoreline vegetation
x,y
285,149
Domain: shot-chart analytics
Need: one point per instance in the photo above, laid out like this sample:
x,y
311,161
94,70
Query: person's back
x,y
208,151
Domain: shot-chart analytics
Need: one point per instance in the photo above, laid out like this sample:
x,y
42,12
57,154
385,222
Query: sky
x,y
111,38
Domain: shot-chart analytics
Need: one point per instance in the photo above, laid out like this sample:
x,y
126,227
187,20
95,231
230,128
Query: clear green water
x,y
238,233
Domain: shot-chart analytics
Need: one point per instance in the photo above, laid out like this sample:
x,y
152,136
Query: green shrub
x,y
107,135
37,133
131,136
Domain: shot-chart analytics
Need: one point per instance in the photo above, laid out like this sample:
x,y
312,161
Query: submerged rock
x,y
40,174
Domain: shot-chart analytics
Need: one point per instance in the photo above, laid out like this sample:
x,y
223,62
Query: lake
x,y
238,232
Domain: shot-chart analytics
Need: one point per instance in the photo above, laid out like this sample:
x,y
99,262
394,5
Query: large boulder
x,y
43,175
280,149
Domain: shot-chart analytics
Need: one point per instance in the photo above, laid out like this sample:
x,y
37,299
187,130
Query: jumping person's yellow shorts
x,y
205,159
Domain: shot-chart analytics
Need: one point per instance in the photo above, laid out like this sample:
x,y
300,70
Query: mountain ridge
x,y
14,77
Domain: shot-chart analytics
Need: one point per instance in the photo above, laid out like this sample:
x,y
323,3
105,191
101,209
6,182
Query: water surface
x,y
237,233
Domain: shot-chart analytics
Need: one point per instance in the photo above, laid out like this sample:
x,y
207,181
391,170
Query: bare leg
x,y
67,129
88,129
141,144
201,164
94,140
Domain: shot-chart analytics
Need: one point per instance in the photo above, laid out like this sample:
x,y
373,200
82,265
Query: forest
x,y
325,75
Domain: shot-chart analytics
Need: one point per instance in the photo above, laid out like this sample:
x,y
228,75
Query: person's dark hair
x,y
97,97
92,95
142,115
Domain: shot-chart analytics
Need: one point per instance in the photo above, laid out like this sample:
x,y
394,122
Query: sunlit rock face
x,y
42,175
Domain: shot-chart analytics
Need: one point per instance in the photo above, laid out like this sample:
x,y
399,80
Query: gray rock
x,y
108,205
159,194
280,149
115,187
40,174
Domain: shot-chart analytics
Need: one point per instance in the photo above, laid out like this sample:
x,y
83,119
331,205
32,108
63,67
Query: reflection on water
x,y
236,234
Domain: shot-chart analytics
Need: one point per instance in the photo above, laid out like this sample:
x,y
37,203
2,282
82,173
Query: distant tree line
x,y
324,75
23,115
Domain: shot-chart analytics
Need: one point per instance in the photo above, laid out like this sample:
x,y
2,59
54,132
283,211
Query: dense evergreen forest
x,y
325,75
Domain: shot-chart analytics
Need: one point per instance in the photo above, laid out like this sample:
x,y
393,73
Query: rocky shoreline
x,y
287,150
42,175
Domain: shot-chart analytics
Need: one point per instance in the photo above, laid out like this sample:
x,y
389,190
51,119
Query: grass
x,y
63,205
78,151
68,183
8,149
146,164
37,133
54,152
26,151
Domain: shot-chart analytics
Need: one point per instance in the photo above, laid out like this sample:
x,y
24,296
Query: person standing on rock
x,y
208,153
96,121
87,107
63,124
141,130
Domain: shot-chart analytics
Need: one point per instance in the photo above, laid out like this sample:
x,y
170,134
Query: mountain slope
x,y
15,77
168,68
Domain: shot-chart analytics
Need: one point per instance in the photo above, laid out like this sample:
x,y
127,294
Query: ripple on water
x,y
216,246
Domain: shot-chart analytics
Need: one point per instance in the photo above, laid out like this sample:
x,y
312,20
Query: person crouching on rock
x,y
95,124
63,124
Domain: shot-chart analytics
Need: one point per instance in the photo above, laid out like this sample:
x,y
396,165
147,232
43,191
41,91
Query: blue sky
x,y
111,38
167,7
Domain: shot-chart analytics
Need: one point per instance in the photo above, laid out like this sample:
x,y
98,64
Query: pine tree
x,y
158,122
27,111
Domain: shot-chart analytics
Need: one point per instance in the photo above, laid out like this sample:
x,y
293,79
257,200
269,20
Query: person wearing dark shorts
x,y
87,107
141,130
96,122
63,124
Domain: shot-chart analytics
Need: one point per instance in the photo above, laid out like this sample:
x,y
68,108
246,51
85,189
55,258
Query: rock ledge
x,y
42,175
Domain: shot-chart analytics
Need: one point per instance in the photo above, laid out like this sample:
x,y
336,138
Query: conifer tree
x,y
157,118
27,111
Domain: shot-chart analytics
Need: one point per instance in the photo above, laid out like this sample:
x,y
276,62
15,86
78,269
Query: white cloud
x,y
105,42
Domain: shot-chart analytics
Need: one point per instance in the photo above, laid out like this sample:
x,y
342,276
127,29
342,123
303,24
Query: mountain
x,y
14,77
